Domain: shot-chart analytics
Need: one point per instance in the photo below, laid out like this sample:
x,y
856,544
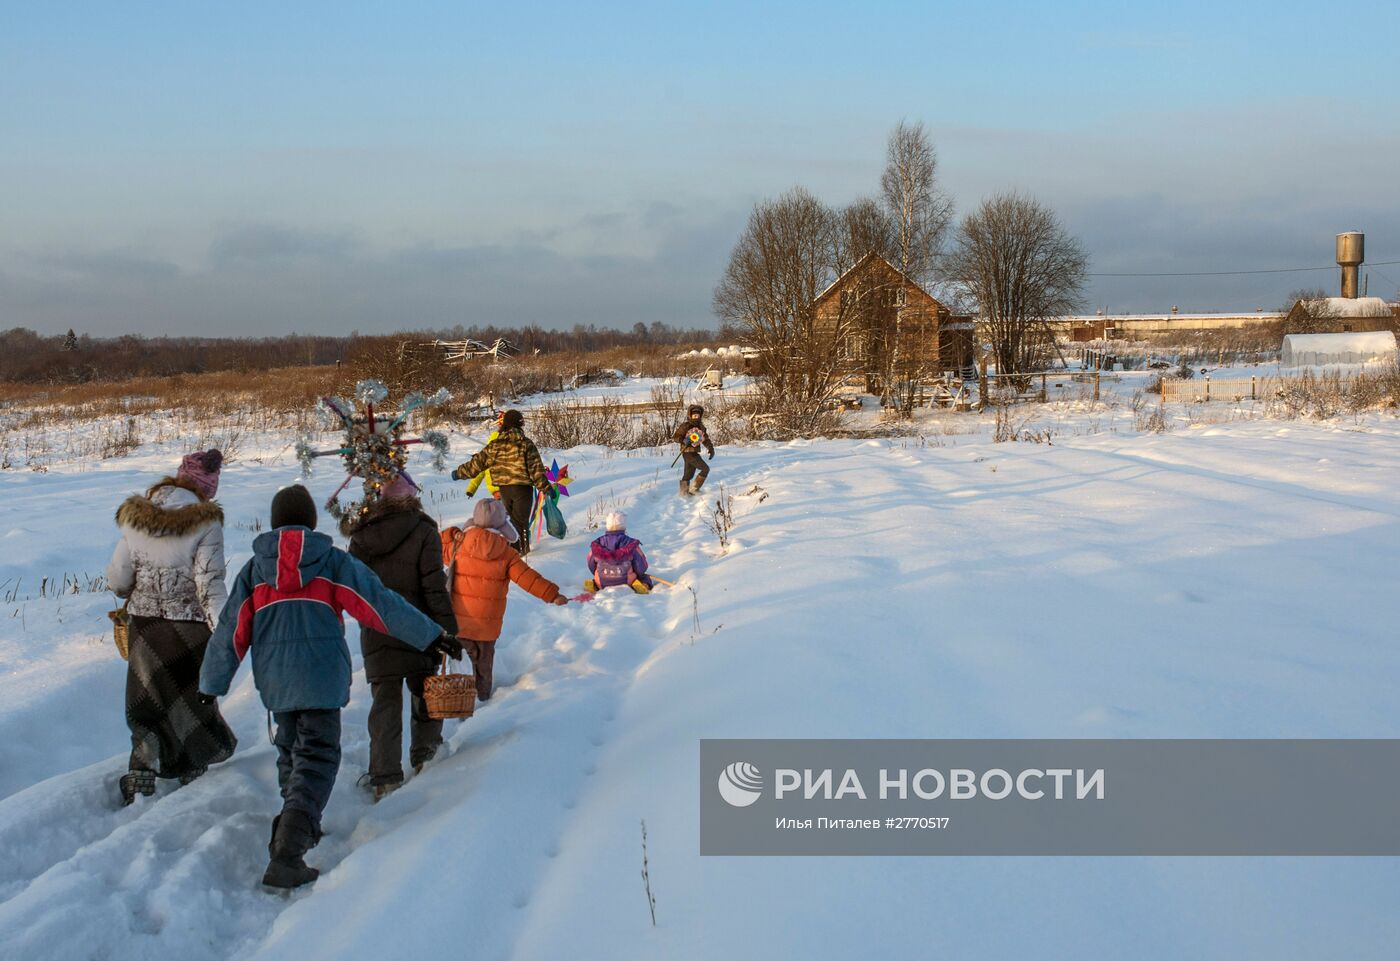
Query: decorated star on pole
x,y
373,449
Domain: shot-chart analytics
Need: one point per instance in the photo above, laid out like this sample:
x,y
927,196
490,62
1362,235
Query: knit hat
x,y
202,470
293,507
696,409
616,521
400,486
512,420
491,515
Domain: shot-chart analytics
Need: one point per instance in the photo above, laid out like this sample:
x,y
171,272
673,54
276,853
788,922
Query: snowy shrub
x,y
605,423
121,441
720,520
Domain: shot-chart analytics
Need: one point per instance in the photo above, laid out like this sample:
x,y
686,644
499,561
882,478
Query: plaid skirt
x,y
172,733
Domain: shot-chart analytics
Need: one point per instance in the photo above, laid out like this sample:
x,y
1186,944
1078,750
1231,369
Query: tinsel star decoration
x,y
373,448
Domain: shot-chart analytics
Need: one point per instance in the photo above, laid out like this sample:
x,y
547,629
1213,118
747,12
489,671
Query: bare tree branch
x,y
1023,269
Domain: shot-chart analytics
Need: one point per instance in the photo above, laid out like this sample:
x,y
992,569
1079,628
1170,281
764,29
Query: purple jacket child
x,y
616,560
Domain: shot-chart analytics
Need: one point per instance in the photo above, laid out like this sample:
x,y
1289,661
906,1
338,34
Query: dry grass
x,y
223,409
277,395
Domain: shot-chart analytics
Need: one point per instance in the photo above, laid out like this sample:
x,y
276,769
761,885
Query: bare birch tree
x,y
1023,270
921,213
869,229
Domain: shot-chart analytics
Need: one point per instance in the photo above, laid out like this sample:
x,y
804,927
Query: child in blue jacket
x,y
286,606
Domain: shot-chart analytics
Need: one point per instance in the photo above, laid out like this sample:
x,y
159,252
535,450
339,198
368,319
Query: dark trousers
x,y
520,501
308,758
694,464
482,663
386,728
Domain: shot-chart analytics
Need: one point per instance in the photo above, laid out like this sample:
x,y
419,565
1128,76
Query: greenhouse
x,y
1358,347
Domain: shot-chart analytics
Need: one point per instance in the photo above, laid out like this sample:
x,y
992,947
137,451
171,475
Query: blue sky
x,y
256,168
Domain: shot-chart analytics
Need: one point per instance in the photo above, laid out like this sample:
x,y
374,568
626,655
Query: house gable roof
x,y
861,265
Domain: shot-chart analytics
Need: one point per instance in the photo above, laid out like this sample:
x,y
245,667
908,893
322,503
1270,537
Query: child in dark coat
x,y
616,560
692,436
286,607
400,543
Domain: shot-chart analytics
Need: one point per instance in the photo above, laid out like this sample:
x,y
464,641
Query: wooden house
x,y
872,300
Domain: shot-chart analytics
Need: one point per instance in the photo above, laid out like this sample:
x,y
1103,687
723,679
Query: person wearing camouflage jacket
x,y
516,469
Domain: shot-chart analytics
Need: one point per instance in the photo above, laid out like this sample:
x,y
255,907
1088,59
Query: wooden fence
x,y
1203,390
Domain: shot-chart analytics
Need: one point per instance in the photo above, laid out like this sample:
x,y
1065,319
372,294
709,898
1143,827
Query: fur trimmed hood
x,y
349,524
170,511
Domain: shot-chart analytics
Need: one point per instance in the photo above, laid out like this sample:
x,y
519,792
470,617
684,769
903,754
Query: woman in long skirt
x,y
169,564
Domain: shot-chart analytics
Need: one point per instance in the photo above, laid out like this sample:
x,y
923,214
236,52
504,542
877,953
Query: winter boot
x,y
381,791
133,783
419,758
294,836
272,841
192,774
591,586
640,588
685,488
698,483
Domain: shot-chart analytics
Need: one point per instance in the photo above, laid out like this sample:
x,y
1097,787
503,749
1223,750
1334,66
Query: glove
x,y
447,644
470,492
457,474
560,601
207,699
712,454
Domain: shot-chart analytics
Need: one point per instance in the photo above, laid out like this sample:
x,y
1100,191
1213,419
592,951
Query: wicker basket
x,y
449,695
121,629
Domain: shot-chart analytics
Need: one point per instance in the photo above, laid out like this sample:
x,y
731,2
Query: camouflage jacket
x,y
512,458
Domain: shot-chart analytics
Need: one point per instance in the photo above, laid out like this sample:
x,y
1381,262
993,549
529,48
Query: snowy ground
x,y
1228,580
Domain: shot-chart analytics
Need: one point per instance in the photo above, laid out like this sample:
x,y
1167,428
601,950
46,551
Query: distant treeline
x,y
27,357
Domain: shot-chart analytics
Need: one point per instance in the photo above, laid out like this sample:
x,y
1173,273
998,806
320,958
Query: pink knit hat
x,y
401,486
202,470
491,515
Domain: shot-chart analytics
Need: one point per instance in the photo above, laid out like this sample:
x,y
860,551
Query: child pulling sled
x,y
616,560
482,563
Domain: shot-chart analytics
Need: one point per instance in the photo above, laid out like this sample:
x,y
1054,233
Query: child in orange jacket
x,y
482,563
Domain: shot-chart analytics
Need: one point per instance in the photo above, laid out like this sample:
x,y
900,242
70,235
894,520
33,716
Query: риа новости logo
x,y
740,784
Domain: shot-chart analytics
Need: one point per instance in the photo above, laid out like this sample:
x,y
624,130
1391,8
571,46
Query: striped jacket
x,y
287,607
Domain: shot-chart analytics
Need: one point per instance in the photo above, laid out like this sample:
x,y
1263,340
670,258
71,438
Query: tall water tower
x,y
1351,251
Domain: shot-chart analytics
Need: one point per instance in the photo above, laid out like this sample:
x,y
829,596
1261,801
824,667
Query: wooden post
x,y
1207,388
1252,395
1096,386
1042,388
982,384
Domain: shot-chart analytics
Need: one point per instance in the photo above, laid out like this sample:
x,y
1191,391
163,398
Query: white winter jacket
x,y
170,559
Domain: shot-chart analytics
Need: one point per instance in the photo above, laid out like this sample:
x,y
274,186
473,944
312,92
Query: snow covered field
x,y
1231,580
